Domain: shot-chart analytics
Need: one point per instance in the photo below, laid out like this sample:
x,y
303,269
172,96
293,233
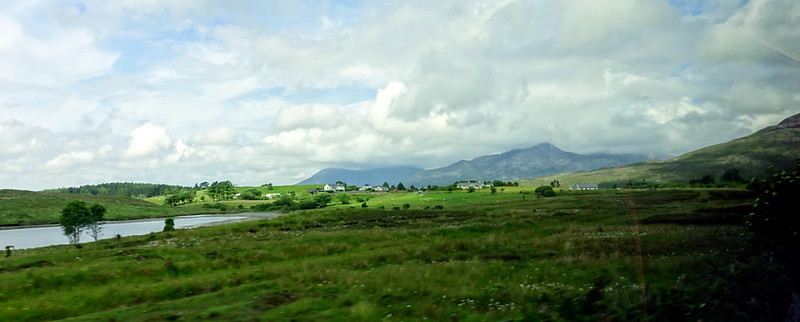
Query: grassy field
x,y
32,208
604,255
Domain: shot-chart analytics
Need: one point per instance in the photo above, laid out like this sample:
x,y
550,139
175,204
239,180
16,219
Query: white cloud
x,y
147,140
241,91
53,60
70,159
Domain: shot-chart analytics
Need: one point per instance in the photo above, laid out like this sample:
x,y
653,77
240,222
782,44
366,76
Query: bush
x,y
774,218
364,205
406,206
545,191
438,207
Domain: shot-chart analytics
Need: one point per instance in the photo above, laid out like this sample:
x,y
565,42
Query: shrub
x,y
774,218
545,191
406,206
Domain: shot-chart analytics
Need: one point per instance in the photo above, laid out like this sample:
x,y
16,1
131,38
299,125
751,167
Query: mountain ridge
x,y
515,164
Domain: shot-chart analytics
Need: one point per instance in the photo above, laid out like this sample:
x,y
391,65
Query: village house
x,y
585,186
333,187
467,185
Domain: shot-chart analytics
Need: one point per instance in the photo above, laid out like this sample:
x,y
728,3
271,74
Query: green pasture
x,y
580,256
32,208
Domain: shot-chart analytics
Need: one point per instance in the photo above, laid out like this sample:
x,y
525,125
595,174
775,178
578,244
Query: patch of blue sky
x,y
699,7
689,7
137,54
337,96
678,71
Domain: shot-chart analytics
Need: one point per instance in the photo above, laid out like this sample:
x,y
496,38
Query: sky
x,y
257,92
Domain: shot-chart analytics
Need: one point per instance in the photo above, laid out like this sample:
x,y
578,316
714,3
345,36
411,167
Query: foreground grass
x,y
656,255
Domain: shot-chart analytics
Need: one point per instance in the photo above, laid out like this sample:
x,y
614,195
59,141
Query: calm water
x,y
22,238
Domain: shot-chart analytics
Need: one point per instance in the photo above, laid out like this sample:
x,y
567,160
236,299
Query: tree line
x,y
122,189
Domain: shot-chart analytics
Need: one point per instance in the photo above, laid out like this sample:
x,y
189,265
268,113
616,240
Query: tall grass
x,y
482,257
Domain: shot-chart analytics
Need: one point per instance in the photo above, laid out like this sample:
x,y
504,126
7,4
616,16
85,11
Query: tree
x,y
343,198
251,194
493,190
322,199
169,224
221,190
400,186
545,191
96,215
74,219
731,175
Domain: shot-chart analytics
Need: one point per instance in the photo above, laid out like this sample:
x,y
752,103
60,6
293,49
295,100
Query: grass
x,y
32,208
578,256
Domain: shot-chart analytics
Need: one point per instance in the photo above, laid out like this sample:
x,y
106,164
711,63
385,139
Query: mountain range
x,y
776,146
540,160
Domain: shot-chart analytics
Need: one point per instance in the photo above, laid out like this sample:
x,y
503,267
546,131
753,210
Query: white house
x,y
333,187
366,187
272,195
467,185
585,186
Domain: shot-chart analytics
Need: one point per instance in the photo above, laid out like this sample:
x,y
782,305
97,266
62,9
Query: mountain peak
x,y
791,121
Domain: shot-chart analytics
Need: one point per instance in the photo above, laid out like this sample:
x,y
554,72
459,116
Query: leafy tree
x,y
400,186
704,180
731,175
96,215
343,198
385,184
74,218
545,191
251,194
471,189
169,224
322,199
493,190
221,190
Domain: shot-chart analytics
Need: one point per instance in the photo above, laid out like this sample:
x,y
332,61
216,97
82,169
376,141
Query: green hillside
x,y
776,146
18,207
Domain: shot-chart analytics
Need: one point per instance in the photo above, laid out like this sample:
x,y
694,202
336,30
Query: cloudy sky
x,y
187,91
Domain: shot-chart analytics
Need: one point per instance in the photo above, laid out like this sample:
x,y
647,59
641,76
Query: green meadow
x,y
580,256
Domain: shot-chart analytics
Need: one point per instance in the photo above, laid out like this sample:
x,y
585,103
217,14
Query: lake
x,y
33,237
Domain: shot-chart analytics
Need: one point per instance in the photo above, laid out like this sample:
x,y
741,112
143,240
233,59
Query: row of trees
x,y
78,216
122,189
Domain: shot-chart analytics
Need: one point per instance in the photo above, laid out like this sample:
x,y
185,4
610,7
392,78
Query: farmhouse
x,y
467,185
585,186
333,187
366,187
272,195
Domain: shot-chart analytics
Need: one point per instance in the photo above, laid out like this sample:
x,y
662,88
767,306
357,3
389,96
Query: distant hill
x,y
775,146
391,175
540,160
